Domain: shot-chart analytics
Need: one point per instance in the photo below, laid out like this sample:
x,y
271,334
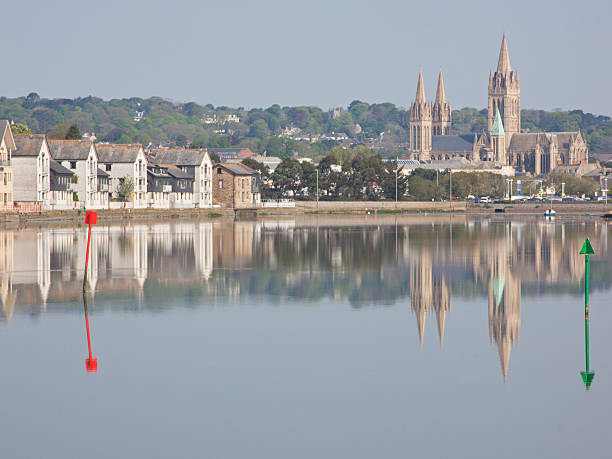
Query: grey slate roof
x,y
102,173
452,142
28,145
69,150
178,156
118,153
524,142
177,172
58,168
563,139
237,169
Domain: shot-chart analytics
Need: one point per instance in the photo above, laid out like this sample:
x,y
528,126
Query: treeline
x,y
362,175
382,126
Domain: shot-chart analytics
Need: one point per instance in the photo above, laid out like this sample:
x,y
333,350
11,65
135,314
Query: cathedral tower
x,y
441,113
420,123
505,94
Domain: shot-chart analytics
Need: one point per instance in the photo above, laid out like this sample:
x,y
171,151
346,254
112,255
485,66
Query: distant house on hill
x,y
271,161
237,186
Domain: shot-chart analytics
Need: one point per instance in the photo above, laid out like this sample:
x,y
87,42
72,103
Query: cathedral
x,y
504,143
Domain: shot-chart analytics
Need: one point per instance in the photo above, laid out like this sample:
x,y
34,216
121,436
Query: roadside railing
x,y
277,203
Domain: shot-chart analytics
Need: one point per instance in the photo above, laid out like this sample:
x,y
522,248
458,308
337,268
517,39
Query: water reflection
x,y
365,261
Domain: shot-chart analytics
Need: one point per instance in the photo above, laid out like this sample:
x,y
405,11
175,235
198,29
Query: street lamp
x,y
317,188
396,168
562,189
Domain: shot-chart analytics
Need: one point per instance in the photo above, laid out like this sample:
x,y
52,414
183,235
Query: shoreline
x,y
353,208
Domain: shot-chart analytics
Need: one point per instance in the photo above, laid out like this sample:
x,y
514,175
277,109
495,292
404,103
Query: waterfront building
x,y
169,187
232,154
195,162
237,186
61,187
81,157
31,170
7,147
503,142
125,161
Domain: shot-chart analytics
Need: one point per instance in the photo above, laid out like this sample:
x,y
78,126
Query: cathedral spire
x,y
503,65
498,125
420,93
440,96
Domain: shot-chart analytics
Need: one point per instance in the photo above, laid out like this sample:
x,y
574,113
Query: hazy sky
x,y
316,52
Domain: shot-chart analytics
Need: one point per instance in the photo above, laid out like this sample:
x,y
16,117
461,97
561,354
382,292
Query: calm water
x,y
322,337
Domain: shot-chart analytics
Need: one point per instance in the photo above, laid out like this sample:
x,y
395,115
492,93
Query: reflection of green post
x,y
587,375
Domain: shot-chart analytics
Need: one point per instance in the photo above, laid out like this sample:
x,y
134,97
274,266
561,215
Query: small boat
x,y
607,216
550,213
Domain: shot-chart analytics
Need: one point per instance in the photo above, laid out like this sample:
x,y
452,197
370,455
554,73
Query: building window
x,y
219,170
220,184
108,167
72,164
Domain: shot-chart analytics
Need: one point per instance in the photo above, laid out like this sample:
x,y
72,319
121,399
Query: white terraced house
x,y
7,146
81,157
31,170
195,162
62,187
121,162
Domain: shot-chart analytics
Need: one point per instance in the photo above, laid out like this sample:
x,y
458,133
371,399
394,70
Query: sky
x,y
319,52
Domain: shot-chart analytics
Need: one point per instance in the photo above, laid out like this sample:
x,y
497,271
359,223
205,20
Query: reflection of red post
x,y
91,363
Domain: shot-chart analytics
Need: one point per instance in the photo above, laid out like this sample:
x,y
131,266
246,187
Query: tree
x,y
125,188
73,133
18,128
214,157
59,131
259,129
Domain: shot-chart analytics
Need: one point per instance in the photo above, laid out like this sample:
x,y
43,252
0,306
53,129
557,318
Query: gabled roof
x,y
525,141
237,169
69,150
452,142
28,145
57,168
178,156
178,172
102,173
6,134
118,153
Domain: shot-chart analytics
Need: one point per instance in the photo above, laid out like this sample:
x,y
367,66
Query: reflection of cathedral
x,y
364,265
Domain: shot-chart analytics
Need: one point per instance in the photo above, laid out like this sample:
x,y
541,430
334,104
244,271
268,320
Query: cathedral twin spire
x,y
428,119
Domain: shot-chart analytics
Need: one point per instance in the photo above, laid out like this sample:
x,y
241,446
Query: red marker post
x,y
91,218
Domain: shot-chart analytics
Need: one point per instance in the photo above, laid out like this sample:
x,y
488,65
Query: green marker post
x,y
587,375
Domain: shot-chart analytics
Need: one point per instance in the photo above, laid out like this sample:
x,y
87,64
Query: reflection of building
x,y
428,293
7,295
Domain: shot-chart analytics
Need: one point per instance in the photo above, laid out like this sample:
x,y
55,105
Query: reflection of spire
x,y
504,316
442,305
426,293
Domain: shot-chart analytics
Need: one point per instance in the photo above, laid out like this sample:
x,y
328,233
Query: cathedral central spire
x,y
420,93
503,64
440,95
